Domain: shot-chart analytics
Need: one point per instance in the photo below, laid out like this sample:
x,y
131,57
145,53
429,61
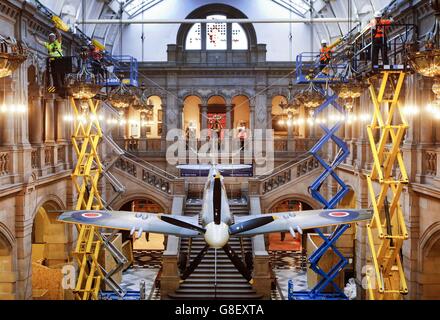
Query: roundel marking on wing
x,y
89,215
340,215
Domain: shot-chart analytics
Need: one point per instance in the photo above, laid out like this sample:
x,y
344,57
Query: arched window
x,y
216,35
194,37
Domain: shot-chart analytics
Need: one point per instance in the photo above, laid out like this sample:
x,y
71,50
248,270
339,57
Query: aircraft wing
x,y
301,220
133,221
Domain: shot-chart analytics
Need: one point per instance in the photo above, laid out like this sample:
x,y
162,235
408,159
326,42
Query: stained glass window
x,y
194,37
216,34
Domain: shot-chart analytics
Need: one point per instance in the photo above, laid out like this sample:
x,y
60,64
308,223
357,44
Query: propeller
x,y
239,265
217,199
195,262
250,224
181,223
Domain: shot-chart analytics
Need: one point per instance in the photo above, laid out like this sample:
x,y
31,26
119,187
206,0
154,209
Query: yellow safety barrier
x,y
387,229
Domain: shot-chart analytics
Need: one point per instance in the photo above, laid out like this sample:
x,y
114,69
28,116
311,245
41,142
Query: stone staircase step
x,y
201,283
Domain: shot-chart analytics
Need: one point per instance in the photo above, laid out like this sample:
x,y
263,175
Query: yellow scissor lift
x,y
85,139
387,230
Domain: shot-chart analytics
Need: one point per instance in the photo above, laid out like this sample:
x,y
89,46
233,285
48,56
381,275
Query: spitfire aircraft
x,y
217,222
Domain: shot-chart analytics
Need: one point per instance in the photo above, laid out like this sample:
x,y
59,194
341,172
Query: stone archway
x,y
7,269
429,260
51,241
148,241
190,116
285,241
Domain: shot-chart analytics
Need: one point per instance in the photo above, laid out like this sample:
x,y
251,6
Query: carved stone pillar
x,y
49,114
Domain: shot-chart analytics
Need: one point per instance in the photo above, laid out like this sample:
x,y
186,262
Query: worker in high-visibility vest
x,y
53,46
325,55
379,39
55,52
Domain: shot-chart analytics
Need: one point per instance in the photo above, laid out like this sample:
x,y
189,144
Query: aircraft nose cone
x,y
217,235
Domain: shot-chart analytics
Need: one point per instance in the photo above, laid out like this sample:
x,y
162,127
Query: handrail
x,y
149,169
288,166
271,182
284,165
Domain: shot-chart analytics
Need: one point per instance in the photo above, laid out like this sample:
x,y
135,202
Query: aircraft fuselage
x,y
217,235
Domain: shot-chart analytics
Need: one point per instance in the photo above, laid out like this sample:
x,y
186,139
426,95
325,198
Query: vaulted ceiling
x,y
74,11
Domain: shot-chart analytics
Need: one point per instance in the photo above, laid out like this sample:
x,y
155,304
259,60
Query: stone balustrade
x,y
430,163
151,175
281,176
4,163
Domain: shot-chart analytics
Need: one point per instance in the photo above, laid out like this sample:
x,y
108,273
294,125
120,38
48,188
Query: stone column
x,y
261,274
260,108
37,112
170,273
229,111
251,117
49,115
290,139
269,116
363,148
61,126
414,83
23,233
164,127
61,154
7,126
204,118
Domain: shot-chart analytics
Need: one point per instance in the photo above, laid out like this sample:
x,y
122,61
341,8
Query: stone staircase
x,y
204,283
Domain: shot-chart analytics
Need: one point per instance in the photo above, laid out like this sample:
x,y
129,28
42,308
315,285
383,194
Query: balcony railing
x,y
282,175
151,175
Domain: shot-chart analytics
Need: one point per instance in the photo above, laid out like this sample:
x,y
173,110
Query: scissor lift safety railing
x,y
327,277
400,37
387,230
308,69
122,65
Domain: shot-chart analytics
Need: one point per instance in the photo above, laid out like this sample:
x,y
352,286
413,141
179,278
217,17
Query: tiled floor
x,y
147,258
289,265
145,268
132,277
